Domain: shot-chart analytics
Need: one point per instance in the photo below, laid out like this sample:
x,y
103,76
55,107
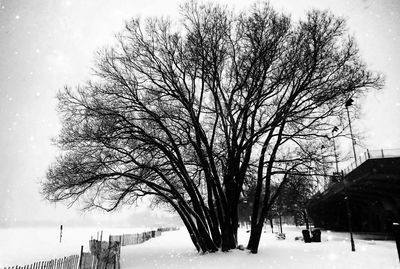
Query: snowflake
x,y
332,256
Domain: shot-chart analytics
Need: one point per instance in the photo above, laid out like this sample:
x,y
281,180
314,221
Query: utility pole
x,y
347,202
323,167
335,129
349,102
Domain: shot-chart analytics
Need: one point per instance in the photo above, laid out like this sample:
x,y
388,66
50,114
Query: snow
x,y
21,246
175,250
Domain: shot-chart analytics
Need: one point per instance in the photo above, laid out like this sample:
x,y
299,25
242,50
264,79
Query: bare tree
x,y
186,112
294,197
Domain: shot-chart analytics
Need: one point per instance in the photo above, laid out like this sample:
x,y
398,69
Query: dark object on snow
x,y
241,247
316,235
306,236
281,236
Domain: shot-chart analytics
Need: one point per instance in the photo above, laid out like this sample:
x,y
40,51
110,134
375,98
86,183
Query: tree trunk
x,y
272,225
306,219
255,236
229,234
227,238
189,226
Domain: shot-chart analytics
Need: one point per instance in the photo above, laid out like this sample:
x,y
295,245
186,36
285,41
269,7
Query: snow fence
x,y
102,255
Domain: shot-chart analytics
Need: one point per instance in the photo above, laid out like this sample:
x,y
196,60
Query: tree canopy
x,y
187,111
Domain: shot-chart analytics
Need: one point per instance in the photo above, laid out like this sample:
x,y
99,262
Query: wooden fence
x,y
70,262
167,229
133,239
103,254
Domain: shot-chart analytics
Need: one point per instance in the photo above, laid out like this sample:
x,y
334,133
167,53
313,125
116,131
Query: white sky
x,y
46,44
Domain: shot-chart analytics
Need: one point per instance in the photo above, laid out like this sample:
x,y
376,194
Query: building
x,y
373,192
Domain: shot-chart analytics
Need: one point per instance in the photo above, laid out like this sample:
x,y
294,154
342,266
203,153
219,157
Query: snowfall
x,y
22,246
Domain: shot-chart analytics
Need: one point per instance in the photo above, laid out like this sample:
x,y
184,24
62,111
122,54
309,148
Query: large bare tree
x,y
188,111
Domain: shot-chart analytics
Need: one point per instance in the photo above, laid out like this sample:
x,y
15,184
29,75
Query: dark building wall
x,y
373,189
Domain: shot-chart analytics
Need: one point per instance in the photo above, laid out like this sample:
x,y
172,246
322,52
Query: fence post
x,y
80,258
118,257
383,156
76,264
61,228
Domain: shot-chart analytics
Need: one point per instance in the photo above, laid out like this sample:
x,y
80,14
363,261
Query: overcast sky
x,y
46,44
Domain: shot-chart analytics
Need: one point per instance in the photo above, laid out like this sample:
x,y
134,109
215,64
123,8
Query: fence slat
x,y
64,261
71,263
76,262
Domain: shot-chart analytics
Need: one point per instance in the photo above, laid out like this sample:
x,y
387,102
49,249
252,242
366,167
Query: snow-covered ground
x,y
175,250
23,246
